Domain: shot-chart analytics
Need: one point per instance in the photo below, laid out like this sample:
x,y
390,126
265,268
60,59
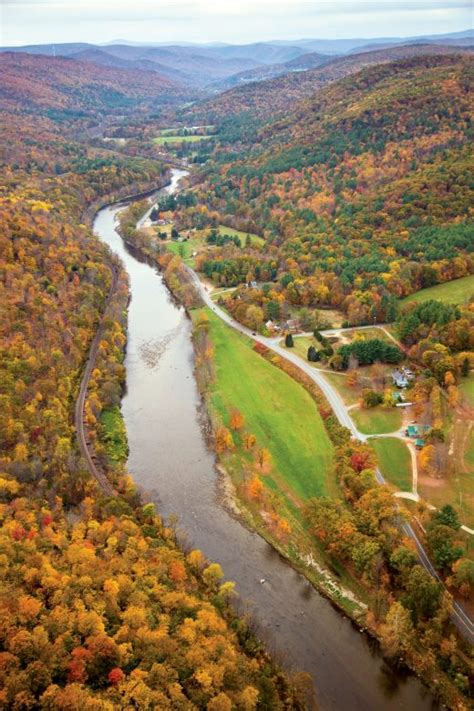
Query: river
x,y
169,460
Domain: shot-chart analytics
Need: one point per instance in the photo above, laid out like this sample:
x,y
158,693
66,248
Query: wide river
x,y
170,461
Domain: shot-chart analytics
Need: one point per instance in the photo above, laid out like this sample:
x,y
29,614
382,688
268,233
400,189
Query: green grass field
x,y
377,420
301,345
254,239
278,411
185,249
367,334
394,461
452,292
174,130
284,418
176,140
466,386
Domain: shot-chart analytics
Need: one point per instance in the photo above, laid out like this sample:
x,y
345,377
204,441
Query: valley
x,y
238,341
289,614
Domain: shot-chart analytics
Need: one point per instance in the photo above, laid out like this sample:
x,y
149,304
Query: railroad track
x,y
83,441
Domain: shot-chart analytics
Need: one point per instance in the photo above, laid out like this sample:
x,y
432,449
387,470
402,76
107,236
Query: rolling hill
x,y
221,66
196,66
362,191
63,83
266,99
301,63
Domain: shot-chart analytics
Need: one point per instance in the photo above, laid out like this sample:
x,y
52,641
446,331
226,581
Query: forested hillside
x,y
363,193
76,87
99,607
274,97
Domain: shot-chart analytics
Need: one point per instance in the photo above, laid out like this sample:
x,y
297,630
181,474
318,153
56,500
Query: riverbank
x,y
282,418
169,460
300,554
295,685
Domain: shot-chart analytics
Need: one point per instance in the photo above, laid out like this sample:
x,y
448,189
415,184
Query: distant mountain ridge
x,y
303,62
221,66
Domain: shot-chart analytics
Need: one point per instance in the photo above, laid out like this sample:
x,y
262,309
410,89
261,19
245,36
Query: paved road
x,y
459,617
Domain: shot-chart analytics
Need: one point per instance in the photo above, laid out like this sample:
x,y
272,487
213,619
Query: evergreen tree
x,y
289,340
313,354
465,367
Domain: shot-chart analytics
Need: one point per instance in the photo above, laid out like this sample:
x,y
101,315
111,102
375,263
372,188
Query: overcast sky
x,y
238,21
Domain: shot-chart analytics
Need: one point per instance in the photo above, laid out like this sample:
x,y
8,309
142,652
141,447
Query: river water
x,y
169,460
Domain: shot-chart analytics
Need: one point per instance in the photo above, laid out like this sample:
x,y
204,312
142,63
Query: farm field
x,y
457,291
174,130
394,461
285,420
277,410
173,139
255,239
377,420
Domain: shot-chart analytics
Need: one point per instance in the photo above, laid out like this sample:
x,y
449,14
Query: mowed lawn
x,y
301,345
350,395
394,461
184,249
457,291
377,420
277,410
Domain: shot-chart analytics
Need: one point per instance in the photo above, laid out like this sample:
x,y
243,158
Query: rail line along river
x,y
169,459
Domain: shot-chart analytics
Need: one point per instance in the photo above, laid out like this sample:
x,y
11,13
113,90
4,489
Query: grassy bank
x,y
113,435
279,412
285,420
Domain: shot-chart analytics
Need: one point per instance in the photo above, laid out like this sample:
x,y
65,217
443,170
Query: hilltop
x,y
353,183
278,95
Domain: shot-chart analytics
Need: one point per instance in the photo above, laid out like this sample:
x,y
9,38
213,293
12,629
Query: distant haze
x,y
236,21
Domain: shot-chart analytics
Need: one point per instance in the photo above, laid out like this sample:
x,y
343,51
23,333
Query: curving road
x,y
459,617
461,620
